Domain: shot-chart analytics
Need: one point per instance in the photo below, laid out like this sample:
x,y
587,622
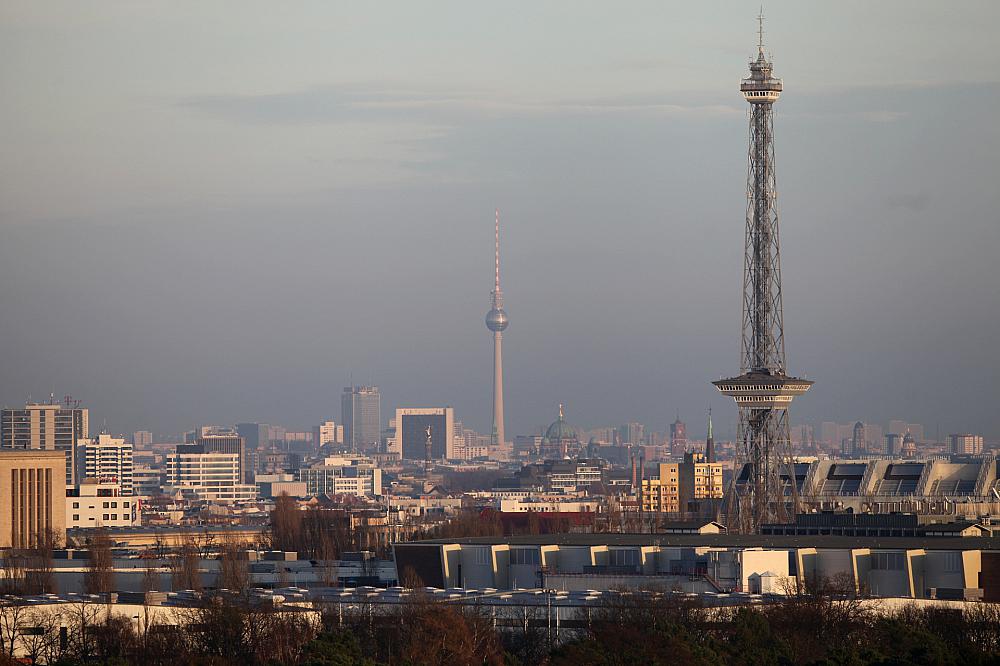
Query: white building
x,y
94,504
147,481
342,476
412,428
213,477
326,433
107,459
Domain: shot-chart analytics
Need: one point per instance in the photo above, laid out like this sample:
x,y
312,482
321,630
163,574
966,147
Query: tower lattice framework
x,y
764,487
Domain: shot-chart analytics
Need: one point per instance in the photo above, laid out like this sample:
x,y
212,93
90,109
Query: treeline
x,y
318,534
628,629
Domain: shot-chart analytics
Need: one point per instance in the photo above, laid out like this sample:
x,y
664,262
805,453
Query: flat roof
x,y
731,541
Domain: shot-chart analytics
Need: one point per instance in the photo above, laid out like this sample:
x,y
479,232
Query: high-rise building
x,y
255,435
678,438
142,439
34,492
46,426
893,444
325,434
858,445
497,321
107,460
222,441
967,443
425,433
213,477
828,433
632,433
361,414
763,391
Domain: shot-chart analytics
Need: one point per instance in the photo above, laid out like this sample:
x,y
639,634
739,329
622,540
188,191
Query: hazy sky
x,y
222,211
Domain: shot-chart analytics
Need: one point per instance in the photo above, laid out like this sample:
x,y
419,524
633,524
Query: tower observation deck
x,y
763,390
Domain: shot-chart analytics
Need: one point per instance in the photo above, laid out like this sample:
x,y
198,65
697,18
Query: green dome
x,y
560,430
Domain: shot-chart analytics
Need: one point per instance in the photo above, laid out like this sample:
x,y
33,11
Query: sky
x,y
214,212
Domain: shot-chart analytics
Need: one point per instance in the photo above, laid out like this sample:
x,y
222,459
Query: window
x,y
953,562
106,505
125,505
114,516
888,561
624,558
76,505
114,505
76,517
524,556
483,555
106,517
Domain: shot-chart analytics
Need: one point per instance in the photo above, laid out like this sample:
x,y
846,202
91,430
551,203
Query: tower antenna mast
x,y
764,487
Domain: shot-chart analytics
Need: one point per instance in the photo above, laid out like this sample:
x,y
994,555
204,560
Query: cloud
x,y
351,103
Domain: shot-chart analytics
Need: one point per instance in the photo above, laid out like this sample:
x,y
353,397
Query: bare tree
x,y
234,568
13,573
99,578
286,524
40,569
184,568
13,614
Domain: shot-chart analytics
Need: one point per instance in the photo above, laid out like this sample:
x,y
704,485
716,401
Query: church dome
x,y
561,431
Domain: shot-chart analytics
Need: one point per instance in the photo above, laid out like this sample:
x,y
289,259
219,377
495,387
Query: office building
x,y
33,491
425,433
142,439
95,504
218,440
967,444
361,414
147,481
325,434
46,426
342,476
631,433
212,477
255,435
106,460
893,444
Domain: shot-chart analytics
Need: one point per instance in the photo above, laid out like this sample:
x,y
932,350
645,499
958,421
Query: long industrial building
x,y
914,567
962,485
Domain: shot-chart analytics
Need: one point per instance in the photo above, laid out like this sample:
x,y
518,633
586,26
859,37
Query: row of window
x,y
107,517
107,505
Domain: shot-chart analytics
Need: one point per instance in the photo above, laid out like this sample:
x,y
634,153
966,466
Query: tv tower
x,y
763,390
497,321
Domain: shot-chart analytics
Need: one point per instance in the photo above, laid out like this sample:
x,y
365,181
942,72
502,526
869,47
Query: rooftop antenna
x,y
760,30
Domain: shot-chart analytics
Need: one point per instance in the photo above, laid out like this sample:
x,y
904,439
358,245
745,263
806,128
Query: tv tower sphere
x,y
496,320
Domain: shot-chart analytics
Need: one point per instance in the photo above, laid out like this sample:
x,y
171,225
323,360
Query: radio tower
x,y
763,390
497,321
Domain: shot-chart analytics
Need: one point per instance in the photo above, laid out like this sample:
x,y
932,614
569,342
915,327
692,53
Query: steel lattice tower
x,y
763,390
497,321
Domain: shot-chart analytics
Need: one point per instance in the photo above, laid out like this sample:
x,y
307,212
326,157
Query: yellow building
x,y
681,487
32,497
